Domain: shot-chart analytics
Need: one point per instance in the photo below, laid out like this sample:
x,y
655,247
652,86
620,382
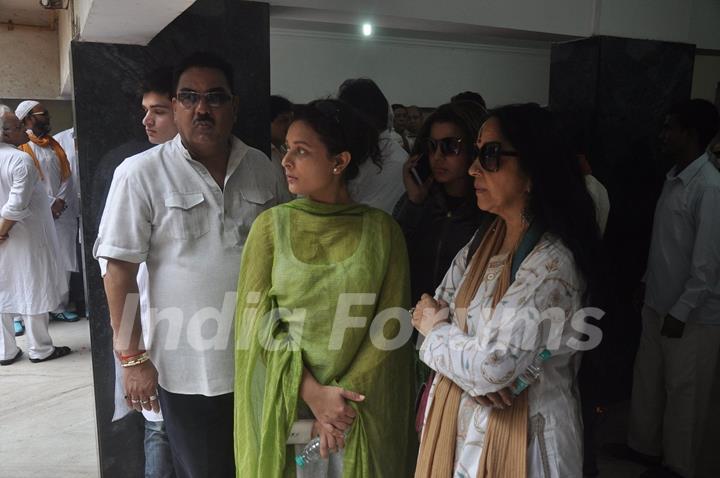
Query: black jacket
x,y
435,231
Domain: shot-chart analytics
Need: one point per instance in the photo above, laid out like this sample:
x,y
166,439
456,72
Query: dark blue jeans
x,y
158,457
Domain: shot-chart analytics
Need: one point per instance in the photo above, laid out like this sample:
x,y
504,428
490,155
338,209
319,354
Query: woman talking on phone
x,y
438,213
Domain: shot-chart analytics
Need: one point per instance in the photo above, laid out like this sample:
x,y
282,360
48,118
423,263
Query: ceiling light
x,y
367,29
55,4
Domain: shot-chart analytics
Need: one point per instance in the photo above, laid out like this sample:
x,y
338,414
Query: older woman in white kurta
x,y
546,279
521,292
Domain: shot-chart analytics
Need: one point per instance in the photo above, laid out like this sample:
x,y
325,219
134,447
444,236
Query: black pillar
x,y
618,89
107,120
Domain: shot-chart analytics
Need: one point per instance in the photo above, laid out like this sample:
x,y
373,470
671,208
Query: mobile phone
x,y
421,172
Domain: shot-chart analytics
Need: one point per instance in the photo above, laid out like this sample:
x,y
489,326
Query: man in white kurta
x,y
381,187
59,186
31,283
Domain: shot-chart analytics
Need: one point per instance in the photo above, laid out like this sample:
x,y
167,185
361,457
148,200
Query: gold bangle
x,y
137,360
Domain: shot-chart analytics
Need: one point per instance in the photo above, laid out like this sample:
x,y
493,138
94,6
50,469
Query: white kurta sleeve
x,y
126,224
541,302
24,180
66,190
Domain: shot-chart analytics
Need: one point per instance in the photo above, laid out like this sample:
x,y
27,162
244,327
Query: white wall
x,y
29,64
65,36
667,20
308,65
706,77
704,22
689,21
82,10
569,17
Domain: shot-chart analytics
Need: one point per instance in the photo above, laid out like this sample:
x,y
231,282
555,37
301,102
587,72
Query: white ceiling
x,y
27,12
390,26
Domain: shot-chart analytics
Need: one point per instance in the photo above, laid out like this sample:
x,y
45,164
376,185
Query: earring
x,y
335,170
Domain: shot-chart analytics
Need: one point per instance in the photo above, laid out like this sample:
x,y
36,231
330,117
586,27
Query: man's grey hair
x,y
3,109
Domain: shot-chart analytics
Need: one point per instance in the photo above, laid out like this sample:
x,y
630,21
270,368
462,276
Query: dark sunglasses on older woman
x,y
489,155
448,146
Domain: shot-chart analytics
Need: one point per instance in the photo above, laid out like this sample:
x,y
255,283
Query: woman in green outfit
x,y
321,327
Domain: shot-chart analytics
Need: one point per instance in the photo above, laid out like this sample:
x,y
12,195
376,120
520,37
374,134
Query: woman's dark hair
x,y
341,128
559,197
469,96
466,115
364,95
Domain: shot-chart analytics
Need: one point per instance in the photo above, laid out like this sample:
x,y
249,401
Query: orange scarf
x,y
44,142
505,447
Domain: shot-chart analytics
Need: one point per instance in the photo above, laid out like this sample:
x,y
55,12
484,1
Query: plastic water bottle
x,y
531,374
311,452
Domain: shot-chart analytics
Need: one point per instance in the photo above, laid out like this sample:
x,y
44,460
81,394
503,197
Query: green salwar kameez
x,y
324,287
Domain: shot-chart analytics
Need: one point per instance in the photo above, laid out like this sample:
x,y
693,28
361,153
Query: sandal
x,y
12,360
56,353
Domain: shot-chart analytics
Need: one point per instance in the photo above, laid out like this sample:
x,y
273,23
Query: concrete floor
x,y
48,415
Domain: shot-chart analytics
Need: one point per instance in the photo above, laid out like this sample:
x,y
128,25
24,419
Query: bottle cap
x,y
299,461
545,354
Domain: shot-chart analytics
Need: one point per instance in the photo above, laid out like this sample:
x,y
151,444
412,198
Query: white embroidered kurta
x,y
31,282
66,225
547,279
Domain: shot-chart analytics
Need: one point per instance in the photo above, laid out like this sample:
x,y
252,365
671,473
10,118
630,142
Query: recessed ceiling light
x,y
55,4
367,29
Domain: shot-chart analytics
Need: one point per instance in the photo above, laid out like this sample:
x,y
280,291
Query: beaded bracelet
x,y
137,360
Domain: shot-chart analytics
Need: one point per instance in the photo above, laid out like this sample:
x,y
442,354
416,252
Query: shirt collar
x,y
692,169
238,150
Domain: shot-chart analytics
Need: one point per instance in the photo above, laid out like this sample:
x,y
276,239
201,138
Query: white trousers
x,y
672,384
65,298
36,330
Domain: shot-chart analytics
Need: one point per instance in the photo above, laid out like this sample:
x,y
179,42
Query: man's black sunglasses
x,y
489,155
214,99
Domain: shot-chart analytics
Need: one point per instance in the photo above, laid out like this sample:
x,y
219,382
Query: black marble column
x,y
618,90
108,125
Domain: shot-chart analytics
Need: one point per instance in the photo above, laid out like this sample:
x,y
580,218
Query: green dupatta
x,y
302,256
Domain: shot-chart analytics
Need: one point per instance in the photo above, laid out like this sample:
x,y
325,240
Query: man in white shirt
x,y
56,174
677,358
185,209
31,283
377,185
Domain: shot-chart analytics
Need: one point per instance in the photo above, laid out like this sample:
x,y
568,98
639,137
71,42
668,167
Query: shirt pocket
x,y
250,203
187,215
